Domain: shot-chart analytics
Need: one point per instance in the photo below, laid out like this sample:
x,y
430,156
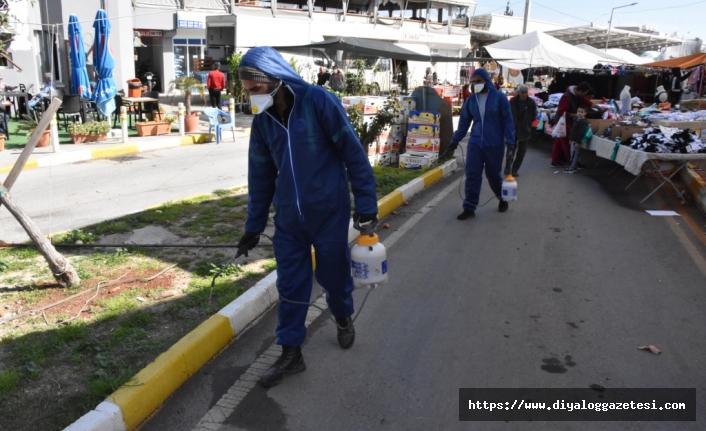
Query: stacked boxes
x,y
422,142
367,104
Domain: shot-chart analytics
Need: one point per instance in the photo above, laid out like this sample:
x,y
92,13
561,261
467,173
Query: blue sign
x,y
183,23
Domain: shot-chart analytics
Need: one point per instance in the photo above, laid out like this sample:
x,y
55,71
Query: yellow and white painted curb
x,y
696,186
119,150
126,408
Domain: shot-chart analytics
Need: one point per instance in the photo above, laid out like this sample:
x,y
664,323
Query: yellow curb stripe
x,y
145,392
114,151
389,203
186,140
31,164
432,176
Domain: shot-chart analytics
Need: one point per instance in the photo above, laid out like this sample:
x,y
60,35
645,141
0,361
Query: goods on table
x,y
666,140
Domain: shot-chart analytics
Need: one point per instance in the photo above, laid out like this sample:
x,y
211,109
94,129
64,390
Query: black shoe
x,y
466,214
291,362
515,174
346,332
502,207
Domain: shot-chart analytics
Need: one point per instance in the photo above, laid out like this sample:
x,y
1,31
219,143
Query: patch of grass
x,y
270,265
388,179
74,236
4,265
8,380
221,193
20,252
103,383
36,347
74,330
116,306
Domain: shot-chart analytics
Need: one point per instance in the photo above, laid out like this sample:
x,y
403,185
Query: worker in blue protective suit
x,y
493,129
303,152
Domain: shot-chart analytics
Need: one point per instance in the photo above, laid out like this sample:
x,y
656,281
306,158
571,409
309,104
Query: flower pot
x,y
44,140
152,128
2,142
78,138
157,116
91,138
191,122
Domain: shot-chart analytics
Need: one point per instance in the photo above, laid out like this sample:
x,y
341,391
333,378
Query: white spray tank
x,y
625,100
509,189
368,257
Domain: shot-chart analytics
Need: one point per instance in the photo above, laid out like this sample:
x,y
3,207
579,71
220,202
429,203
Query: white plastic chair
x,y
213,122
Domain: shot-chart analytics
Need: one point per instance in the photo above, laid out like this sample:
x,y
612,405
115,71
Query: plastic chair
x,y
213,115
70,107
119,102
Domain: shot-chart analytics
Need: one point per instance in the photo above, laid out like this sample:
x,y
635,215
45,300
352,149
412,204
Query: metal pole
x,y
54,133
528,3
123,123
610,24
180,114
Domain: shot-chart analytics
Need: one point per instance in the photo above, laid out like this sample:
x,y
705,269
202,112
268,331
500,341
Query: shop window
x,y
4,63
186,53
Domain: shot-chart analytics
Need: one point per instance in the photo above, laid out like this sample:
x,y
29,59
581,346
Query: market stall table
x,y
140,101
639,162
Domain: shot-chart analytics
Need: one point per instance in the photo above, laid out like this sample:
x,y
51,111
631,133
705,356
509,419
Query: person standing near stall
x,y
675,87
524,112
216,83
569,103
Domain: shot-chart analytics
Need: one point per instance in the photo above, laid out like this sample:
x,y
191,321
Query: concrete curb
x,y
129,406
117,151
696,186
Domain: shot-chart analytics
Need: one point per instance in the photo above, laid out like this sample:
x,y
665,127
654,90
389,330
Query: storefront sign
x,y
149,33
190,20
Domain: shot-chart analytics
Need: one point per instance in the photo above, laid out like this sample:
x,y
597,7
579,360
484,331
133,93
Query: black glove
x,y
365,218
247,242
452,147
510,155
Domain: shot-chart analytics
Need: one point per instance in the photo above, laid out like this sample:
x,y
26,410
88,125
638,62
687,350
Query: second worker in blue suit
x,y
303,152
493,128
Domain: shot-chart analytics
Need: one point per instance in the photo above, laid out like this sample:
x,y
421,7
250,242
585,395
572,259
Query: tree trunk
x,y
187,102
61,268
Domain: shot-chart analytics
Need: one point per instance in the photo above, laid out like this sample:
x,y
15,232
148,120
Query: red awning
x,y
683,62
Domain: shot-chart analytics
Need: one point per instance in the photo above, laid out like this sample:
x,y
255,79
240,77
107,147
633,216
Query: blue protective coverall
x,y
489,135
303,169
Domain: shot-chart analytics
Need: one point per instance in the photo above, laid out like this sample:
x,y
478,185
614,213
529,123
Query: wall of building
x,y
23,49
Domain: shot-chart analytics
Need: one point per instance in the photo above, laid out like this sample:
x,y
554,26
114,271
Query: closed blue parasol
x,y
104,63
79,76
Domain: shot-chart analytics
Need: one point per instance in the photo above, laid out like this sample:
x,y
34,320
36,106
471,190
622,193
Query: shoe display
x,y
346,332
290,362
502,206
466,214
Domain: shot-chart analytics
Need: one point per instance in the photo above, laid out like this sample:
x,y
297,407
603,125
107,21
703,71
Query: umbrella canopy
x,y
104,63
537,49
688,61
79,76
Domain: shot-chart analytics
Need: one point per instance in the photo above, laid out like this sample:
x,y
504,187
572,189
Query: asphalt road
x,y
67,197
556,293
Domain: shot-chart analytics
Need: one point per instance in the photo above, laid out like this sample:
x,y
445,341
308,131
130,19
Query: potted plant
x,y
170,119
154,128
236,87
78,132
158,114
188,84
98,131
29,124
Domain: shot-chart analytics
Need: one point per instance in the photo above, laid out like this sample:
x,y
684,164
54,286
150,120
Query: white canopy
x,y
607,58
628,56
537,49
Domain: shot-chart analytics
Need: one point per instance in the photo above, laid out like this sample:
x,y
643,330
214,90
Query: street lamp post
x,y
610,23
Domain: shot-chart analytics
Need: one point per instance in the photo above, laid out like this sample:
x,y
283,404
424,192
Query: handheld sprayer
x,y
368,257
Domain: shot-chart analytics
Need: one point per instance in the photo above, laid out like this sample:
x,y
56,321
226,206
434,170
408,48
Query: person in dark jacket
x,y
675,90
323,77
578,135
574,97
493,129
303,152
524,112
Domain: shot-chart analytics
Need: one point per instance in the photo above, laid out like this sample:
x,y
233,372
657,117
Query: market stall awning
x,y
537,49
688,61
597,37
602,54
370,48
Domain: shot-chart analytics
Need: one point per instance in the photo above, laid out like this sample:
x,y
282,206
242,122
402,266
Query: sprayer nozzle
x,y
510,178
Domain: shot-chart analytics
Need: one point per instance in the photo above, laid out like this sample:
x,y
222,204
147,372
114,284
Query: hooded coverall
x,y
303,169
489,135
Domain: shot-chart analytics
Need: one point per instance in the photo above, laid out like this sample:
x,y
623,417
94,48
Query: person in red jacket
x,y
569,103
215,84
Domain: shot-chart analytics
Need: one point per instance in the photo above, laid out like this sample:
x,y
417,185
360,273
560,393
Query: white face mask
x,y
477,88
262,102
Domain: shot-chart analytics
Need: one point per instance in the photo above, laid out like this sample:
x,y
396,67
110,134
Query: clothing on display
x,y
666,140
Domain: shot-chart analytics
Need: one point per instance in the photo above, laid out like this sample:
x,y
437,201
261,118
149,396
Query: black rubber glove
x,y
452,147
365,218
247,242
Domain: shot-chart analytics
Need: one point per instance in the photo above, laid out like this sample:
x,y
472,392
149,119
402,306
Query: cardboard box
x,y
421,161
599,126
624,132
373,148
391,144
374,159
368,105
423,117
389,158
409,103
423,144
696,104
423,130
